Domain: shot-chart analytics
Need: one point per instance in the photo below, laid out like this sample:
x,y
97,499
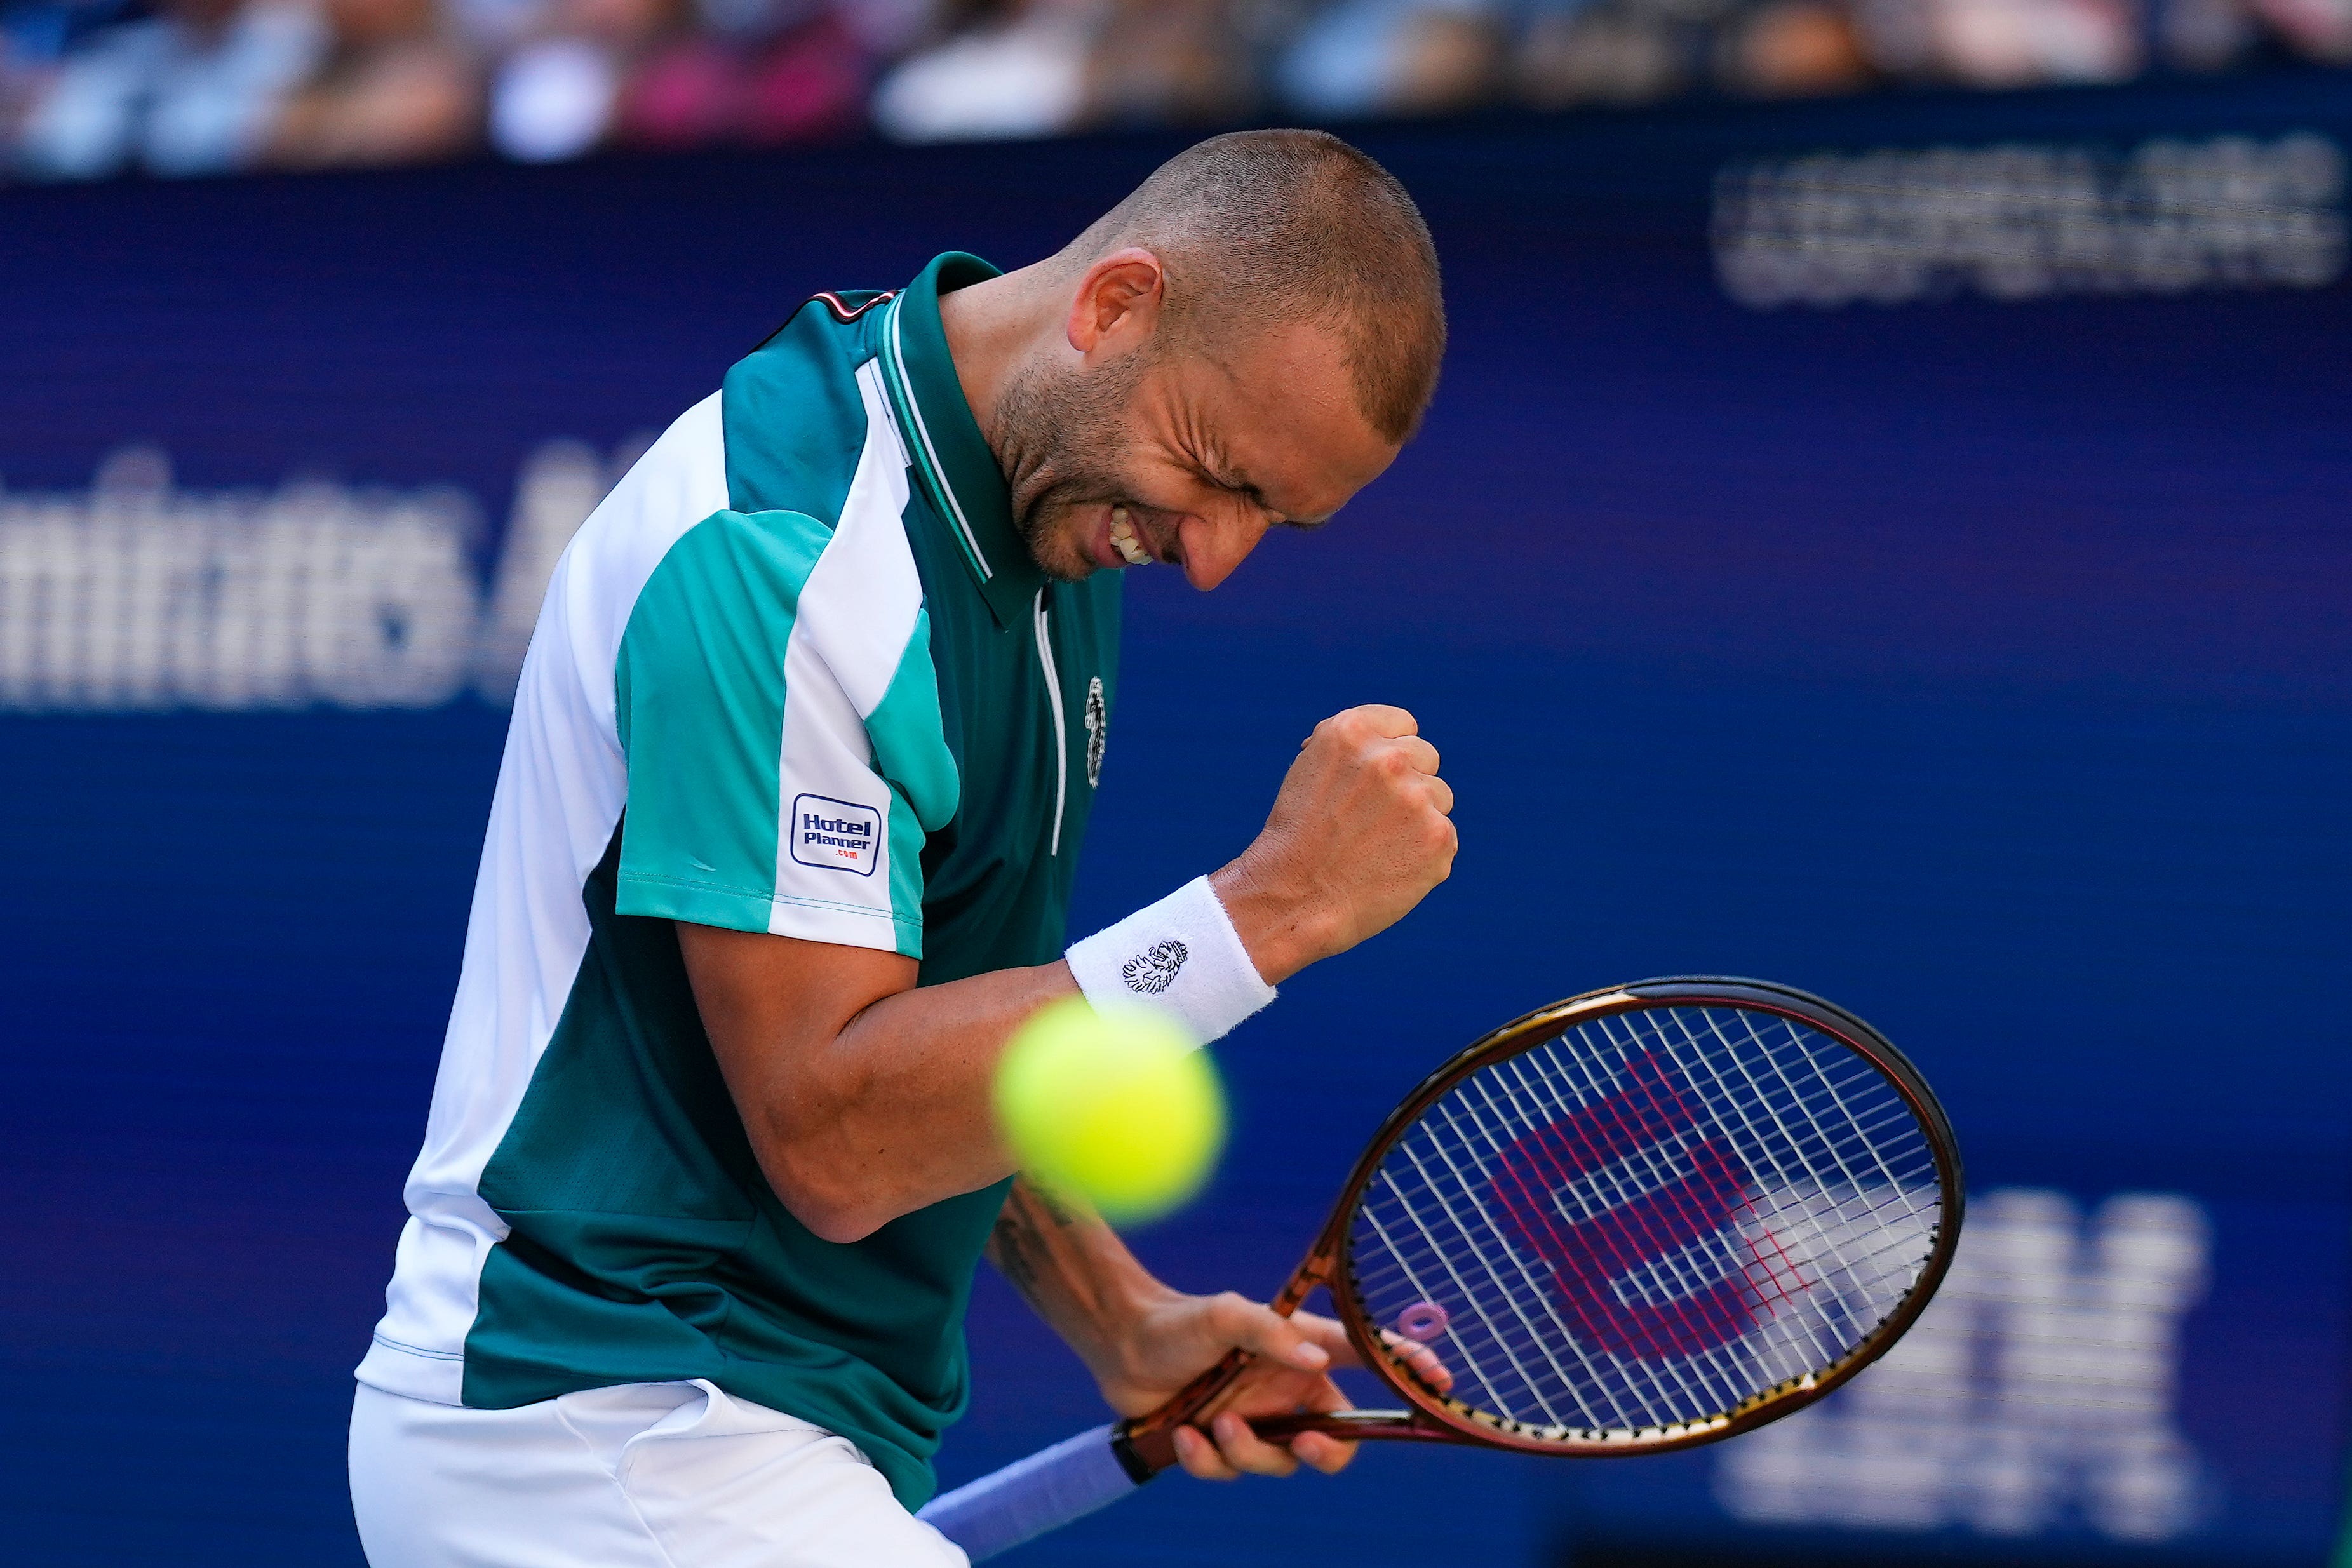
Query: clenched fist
x,y
1359,835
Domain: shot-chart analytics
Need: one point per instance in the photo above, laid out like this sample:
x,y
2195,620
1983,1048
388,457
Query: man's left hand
x,y
1178,1338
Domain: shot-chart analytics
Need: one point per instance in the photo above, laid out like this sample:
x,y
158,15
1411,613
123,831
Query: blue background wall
x,y
1980,666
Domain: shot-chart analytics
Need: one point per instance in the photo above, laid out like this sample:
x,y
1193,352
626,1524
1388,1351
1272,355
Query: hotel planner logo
x,y
834,835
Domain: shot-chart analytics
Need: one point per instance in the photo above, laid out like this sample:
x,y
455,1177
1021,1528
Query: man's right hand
x,y
1359,835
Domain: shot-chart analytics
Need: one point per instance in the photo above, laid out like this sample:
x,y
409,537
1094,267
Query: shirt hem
x,y
699,903
812,919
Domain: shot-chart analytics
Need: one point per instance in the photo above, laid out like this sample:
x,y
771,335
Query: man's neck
x,y
991,328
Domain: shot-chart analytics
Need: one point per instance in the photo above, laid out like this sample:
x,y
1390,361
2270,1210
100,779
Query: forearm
x,y
1076,1274
1144,1341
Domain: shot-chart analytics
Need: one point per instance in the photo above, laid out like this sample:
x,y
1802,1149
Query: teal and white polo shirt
x,y
796,674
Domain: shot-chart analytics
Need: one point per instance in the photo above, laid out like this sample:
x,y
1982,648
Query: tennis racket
x,y
1634,1221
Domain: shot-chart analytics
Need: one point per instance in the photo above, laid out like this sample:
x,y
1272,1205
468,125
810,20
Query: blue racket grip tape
x,y
1030,1497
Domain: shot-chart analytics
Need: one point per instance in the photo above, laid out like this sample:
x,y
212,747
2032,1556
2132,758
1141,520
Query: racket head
x,y
1646,1219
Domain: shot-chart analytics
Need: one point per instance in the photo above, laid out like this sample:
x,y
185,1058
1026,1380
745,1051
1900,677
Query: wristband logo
x,y
836,835
1153,970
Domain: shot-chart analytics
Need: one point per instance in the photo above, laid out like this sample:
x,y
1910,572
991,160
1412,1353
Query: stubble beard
x,y
1061,444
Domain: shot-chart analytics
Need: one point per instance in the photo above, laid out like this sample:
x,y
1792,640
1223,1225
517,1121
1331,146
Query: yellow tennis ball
x,y
1115,1107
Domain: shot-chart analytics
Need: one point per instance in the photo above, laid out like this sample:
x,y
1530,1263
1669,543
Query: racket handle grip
x,y
1154,1447
1350,1425
1030,1497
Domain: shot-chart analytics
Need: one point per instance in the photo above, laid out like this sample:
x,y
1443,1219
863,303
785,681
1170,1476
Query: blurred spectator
x,y
556,94
763,72
492,27
1176,62
34,37
393,88
2214,35
1034,66
1617,51
2007,43
2315,29
2204,34
1004,67
191,91
89,88
1392,57
1793,48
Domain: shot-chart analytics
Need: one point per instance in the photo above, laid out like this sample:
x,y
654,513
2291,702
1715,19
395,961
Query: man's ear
x,y
1117,307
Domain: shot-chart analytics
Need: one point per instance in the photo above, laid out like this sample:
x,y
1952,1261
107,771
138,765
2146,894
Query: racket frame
x,y
1146,1445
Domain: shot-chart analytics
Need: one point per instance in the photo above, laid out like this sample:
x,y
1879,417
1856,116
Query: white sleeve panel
x,y
857,614
859,608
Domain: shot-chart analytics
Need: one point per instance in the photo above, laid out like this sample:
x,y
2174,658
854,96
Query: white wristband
x,y
1180,955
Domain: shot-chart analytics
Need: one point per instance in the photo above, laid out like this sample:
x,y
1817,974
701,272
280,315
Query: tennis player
x,y
781,851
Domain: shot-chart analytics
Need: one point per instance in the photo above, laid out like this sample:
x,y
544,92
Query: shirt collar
x,y
951,460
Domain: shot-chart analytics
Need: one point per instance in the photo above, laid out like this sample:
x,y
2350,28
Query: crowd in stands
x,y
94,88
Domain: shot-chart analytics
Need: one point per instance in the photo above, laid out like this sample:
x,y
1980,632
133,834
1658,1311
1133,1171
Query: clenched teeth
x,y
1122,538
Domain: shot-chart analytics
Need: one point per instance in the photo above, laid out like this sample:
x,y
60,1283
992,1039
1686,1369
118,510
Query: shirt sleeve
x,y
780,713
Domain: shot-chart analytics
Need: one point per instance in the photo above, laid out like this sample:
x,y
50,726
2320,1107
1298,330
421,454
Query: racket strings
x,y
1642,1227
1657,1226
1677,1385
1652,1218
1777,1146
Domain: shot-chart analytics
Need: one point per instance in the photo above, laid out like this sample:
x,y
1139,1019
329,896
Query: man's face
x,y
1184,455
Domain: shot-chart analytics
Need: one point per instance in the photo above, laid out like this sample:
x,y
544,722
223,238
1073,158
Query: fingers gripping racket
x,y
1633,1221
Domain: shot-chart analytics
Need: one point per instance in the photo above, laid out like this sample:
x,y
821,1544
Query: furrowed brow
x,y
1240,484
1230,478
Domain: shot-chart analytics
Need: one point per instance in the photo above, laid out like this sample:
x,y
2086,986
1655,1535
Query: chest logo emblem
x,y
1097,731
1153,970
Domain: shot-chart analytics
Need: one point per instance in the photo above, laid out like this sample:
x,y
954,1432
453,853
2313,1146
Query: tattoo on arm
x,y
1073,1270
1020,1244
1009,1248
1013,1244
1056,1210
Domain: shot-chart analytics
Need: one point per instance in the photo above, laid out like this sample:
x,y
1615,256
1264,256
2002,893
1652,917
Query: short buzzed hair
x,y
1265,225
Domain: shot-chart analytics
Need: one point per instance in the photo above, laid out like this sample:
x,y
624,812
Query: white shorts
x,y
646,1475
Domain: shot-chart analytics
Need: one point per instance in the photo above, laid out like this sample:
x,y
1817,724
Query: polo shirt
x,y
798,674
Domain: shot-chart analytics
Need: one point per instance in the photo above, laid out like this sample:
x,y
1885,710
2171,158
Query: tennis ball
x,y
1113,1106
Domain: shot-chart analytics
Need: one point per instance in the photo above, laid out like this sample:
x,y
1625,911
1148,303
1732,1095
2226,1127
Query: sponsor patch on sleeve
x,y
836,835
